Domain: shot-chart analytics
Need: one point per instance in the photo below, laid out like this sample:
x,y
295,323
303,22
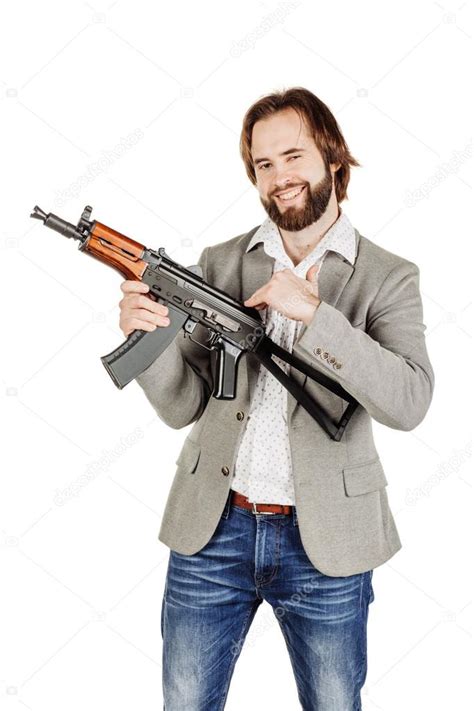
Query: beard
x,y
293,218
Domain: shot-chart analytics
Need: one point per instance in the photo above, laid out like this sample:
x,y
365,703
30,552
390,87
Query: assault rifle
x,y
233,329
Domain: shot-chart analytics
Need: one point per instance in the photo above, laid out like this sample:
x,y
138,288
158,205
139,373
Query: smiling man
x,y
264,506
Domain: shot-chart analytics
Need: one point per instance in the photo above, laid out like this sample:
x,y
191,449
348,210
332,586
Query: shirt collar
x,y
339,238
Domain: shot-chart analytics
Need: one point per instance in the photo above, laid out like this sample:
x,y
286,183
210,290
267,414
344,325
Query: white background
x,y
82,570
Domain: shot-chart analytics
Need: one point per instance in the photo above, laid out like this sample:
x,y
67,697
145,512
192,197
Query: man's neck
x,y
299,244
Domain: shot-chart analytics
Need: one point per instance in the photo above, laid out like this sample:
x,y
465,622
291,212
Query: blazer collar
x,y
335,239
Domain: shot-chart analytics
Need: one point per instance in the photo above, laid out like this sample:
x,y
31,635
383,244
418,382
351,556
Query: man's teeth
x,y
290,196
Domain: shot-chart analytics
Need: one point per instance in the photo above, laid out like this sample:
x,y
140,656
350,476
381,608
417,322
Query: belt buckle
x,y
264,513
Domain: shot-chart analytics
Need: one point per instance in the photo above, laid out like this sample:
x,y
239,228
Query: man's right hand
x,y
138,311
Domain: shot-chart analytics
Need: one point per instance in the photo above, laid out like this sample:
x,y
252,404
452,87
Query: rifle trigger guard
x,y
189,327
198,342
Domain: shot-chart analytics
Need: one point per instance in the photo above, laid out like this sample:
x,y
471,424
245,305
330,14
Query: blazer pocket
x,y
363,478
189,456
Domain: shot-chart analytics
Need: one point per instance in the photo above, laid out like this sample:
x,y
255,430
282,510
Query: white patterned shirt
x,y
263,467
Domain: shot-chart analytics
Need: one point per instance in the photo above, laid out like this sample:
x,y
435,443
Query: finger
x,y
257,305
137,301
149,317
312,272
256,298
131,286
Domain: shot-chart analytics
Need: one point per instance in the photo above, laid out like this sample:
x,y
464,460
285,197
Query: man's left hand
x,y
294,297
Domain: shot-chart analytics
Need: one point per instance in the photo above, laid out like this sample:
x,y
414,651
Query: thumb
x,y
312,272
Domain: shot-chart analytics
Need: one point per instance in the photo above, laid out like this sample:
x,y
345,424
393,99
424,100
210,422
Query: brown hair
x,y
322,123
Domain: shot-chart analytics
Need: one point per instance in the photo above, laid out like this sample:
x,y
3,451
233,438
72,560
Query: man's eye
x,y
264,166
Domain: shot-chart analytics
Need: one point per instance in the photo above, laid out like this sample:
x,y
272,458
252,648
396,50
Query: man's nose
x,y
282,179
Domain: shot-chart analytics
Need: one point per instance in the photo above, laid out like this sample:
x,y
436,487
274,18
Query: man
x,y
264,505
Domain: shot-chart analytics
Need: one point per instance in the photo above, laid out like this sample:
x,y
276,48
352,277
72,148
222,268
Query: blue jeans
x,y
211,597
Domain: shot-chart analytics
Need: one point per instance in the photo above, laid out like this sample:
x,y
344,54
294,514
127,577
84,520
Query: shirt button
x,y
240,415
225,471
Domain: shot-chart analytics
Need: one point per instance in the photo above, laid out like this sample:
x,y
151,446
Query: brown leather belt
x,y
241,500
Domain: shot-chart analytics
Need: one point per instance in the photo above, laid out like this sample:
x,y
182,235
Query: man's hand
x,y
292,296
138,310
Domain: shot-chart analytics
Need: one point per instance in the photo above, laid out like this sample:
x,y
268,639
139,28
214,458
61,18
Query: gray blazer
x,y
368,335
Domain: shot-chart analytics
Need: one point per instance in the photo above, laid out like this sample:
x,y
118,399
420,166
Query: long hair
x,y
321,122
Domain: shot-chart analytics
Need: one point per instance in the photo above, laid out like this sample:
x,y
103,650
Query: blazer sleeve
x,y
178,383
386,368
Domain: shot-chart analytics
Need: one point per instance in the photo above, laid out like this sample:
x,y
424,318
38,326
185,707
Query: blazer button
x,y
225,471
325,354
317,351
240,415
338,365
332,360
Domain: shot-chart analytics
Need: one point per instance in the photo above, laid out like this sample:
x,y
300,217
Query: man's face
x,y
293,181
